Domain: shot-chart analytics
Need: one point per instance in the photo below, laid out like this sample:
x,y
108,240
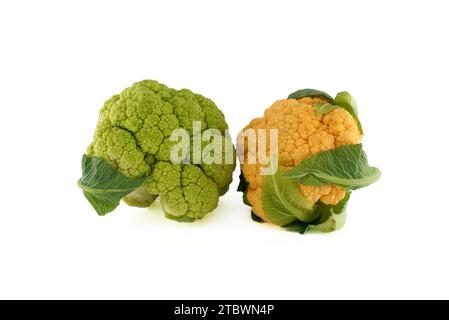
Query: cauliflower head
x,y
133,136
302,132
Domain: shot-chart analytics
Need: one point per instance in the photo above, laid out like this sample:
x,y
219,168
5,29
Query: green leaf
x,y
297,226
243,184
331,218
341,206
245,199
324,108
140,198
282,201
309,93
103,185
347,102
256,218
243,187
346,166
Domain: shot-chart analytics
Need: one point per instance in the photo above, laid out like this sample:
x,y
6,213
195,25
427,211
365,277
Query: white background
x,y
60,60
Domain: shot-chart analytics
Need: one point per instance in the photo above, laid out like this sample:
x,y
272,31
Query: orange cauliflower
x,y
302,132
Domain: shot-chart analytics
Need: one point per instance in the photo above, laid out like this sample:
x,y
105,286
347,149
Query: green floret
x,y
133,135
219,173
185,191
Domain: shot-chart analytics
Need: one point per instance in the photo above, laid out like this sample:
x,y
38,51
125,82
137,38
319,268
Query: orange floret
x,y
301,133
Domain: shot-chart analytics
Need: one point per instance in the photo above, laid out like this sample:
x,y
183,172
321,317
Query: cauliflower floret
x,y
301,133
328,193
185,190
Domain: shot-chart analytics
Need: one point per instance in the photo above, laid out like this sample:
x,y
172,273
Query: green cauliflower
x,y
129,157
